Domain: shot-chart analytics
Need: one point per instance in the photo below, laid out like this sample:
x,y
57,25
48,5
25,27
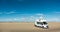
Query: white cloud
x,y
15,19
23,18
11,12
32,17
39,14
57,12
11,19
7,20
53,19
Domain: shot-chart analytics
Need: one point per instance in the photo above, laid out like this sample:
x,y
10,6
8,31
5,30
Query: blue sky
x,y
29,10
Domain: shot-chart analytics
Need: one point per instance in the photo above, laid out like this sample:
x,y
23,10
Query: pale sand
x,y
28,27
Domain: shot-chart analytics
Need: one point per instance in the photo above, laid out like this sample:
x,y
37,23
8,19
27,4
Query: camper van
x,y
41,23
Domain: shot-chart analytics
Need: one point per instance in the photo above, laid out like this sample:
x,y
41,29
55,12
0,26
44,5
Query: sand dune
x,y
28,27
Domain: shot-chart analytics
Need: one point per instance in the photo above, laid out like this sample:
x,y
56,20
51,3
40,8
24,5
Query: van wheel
x,y
46,27
35,25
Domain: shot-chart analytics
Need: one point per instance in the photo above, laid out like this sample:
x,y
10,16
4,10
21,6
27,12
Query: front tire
x,y
46,27
35,25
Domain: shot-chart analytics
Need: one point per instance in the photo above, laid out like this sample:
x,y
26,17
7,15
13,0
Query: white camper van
x,y
41,23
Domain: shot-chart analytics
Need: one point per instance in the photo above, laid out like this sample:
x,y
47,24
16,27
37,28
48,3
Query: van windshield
x,y
41,23
44,22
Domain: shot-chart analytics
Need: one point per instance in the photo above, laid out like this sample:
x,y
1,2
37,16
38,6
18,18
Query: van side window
x,y
40,23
